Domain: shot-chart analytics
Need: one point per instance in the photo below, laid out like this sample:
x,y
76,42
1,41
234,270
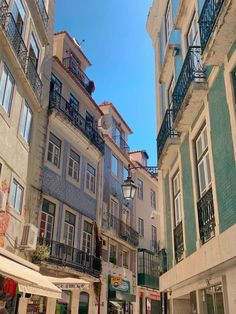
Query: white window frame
x,y
8,79
85,236
13,198
153,198
177,202
72,173
46,221
68,226
125,173
90,180
26,122
55,148
168,20
140,188
114,167
141,227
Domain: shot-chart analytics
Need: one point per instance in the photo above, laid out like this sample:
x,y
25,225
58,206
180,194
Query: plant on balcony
x,y
112,259
41,253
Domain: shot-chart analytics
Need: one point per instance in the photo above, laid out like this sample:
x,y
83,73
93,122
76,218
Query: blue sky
x,y
122,57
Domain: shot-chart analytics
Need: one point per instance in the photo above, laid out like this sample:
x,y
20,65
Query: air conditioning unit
x,y
3,201
29,237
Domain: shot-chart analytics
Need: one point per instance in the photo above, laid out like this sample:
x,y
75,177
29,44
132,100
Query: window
x,y
87,237
54,150
154,233
112,257
170,93
193,34
168,20
26,118
125,173
55,84
69,228
33,51
74,102
140,188
90,178
89,119
141,227
116,135
153,199
125,259
84,302
74,165
177,199
114,212
114,165
203,163
6,89
16,196
18,13
47,220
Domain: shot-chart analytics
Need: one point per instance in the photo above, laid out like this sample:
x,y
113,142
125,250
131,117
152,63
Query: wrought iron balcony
x,y
33,77
166,131
121,143
43,12
74,67
71,112
208,18
14,36
120,229
178,242
191,71
148,269
206,216
65,255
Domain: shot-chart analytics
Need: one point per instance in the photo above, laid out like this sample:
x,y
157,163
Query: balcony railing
x,y
166,131
191,71
71,112
14,36
74,67
208,18
65,255
178,242
206,216
33,77
120,229
42,12
121,143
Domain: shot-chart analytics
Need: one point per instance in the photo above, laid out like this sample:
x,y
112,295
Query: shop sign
x,y
69,286
155,297
119,284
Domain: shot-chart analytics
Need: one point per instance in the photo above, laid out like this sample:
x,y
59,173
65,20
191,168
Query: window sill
x,y
93,195
73,181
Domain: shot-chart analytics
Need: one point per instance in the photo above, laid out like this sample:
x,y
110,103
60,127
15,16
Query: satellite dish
x,y
106,121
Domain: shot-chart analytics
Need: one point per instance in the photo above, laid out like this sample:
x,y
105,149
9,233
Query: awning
x,y
29,280
67,283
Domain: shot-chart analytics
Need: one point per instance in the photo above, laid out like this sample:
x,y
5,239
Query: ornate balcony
x,y
33,77
189,91
74,67
178,242
117,227
217,30
64,255
121,143
167,139
42,12
148,269
206,217
71,112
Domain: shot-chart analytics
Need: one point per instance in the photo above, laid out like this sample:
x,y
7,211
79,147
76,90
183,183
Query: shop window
x,y
212,300
84,303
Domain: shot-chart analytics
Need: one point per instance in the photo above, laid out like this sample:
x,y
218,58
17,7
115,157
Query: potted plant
x,y
41,253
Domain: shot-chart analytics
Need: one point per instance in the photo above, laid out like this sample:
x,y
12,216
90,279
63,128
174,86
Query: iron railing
x,y
65,255
43,12
166,131
33,77
120,229
14,36
121,143
71,112
74,67
178,242
192,71
206,216
148,269
208,18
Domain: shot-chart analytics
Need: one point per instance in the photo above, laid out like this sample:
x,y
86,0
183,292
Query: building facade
x,y
71,187
195,59
26,32
148,227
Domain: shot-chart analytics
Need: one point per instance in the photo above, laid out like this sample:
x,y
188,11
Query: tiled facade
x,y
194,46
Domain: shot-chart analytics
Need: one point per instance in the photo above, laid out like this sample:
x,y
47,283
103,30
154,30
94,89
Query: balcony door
x,y
47,221
33,52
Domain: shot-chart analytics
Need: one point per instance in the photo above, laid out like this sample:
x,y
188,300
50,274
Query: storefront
x,y
120,299
22,288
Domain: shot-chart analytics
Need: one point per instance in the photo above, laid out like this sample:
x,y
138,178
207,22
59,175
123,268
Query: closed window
x,y
69,228
54,150
168,20
177,199
47,220
140,188
153,199
74,165
125,259
16,196
114,165
113,252
26,118
141,227
203,163
6,89
90,178
87,237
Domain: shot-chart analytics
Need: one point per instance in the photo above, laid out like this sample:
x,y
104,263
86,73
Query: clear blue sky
x,y
122,57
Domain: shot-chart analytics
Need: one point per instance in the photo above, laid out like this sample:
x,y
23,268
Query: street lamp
x,y
128,187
